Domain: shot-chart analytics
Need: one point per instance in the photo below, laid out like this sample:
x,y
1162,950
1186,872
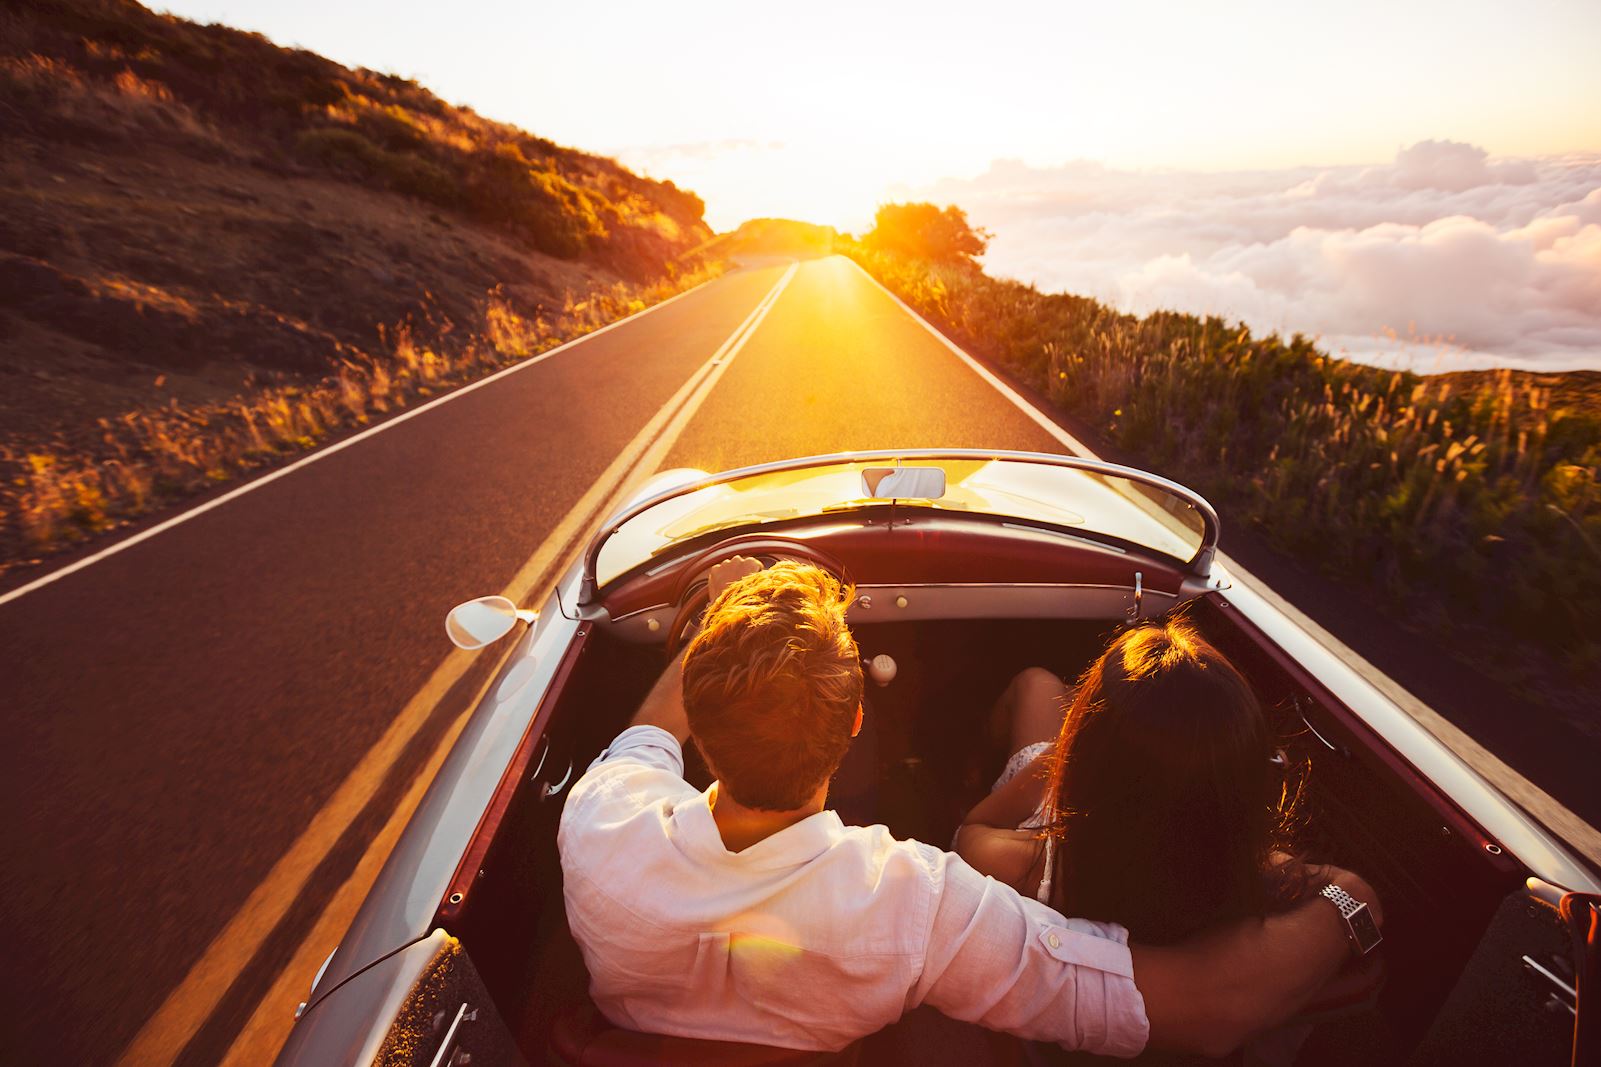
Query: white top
x,y
817,935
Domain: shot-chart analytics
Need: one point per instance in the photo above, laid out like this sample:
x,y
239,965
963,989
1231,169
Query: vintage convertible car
x,y
967,567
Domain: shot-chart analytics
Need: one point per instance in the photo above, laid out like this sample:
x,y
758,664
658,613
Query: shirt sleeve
x,y
648,745
643,765
1009,963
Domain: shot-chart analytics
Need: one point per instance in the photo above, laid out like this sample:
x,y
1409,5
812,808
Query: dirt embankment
x,y
214,251
127,280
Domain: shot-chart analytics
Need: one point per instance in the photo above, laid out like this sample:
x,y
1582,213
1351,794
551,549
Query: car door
x,y
424,1006
1482,967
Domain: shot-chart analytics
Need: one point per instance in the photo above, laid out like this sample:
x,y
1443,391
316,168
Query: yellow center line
x,y
191,1002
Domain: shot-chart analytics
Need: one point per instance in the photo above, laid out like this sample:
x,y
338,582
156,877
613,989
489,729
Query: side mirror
x,y
480,622
920,483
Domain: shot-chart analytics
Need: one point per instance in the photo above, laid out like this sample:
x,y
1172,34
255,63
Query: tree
x,y
925,231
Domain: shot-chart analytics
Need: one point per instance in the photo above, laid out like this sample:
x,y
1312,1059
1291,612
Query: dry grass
x,y
1471,506
54,496
89,69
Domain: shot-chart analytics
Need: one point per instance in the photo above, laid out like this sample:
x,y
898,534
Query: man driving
x,y
750,912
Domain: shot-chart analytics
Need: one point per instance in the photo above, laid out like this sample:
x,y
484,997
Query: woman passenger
x,y
1148,796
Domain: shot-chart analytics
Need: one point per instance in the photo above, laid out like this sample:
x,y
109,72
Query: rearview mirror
x,y
923,483
480,622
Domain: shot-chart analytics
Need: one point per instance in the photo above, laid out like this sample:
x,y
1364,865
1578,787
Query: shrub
x,y
341,150
193,84
1474,501
926,232
52,495
553,214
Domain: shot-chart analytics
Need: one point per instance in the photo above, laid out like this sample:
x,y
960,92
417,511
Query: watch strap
x,y
1347,904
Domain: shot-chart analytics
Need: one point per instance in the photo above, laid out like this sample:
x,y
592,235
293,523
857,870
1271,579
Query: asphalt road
x,y
178,713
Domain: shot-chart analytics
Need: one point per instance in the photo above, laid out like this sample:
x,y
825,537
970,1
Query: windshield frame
x,y
1200,564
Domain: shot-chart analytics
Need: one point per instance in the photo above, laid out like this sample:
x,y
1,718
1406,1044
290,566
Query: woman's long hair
x,y
1162,793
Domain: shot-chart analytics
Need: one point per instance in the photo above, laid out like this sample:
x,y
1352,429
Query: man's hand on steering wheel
x,y
728,572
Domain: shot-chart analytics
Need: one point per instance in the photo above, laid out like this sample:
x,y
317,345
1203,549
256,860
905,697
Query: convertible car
x,y
967,566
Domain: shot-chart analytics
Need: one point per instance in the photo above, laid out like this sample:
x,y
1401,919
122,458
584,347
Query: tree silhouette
x,y
927,232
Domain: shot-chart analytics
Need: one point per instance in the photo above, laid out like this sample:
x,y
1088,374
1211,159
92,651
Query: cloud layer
x,y
1443,259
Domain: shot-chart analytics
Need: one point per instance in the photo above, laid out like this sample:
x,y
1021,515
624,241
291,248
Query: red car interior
x,y
1453,899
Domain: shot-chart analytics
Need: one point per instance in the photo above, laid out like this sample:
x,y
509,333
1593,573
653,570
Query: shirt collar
x,y
696,832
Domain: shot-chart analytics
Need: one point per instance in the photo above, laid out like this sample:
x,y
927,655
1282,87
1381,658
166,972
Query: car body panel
x,y
1037,487
349,1026
458,813
1505,824
401,906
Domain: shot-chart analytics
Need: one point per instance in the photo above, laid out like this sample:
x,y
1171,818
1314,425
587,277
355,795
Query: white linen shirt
x,y
817,935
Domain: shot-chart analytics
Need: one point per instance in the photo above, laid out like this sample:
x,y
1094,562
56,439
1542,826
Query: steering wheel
x,y
693,591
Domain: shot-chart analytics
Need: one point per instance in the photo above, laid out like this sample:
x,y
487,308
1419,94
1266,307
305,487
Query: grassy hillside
x,y
1467,504
773,237
214,250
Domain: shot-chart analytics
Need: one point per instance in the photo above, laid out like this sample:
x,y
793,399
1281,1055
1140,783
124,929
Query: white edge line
x,y
326,451
1045,422
1496,772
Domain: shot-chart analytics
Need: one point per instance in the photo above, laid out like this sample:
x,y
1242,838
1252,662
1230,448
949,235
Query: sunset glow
x,y
825,112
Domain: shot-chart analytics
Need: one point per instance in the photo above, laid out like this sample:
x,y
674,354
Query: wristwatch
x,y
1359,924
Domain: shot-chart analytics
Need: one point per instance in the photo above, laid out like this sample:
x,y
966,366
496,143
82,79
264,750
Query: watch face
x,y
1364,929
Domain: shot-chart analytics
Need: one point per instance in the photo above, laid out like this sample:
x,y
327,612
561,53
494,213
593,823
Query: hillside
x,y
191,214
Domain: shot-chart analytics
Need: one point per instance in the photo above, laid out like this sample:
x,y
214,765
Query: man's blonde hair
x,y
772,683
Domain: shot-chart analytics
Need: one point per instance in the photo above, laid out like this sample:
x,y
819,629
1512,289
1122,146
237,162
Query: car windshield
x,y
1088,503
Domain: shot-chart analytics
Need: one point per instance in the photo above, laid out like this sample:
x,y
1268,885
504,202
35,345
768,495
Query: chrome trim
x,y
1502,820
637,612
1330,745
1565,995
1200,563
1000,600
323,969
1059,586
450,1035
544,754
1545,893
1064,535
351,1021
549,791
632,626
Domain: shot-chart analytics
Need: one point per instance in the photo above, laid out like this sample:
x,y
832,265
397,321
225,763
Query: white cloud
x,y
1440,260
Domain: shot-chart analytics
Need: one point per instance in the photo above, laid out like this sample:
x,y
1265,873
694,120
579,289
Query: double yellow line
x,y
188,1006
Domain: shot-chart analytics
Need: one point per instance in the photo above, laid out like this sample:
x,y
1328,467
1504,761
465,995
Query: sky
x,y
825,110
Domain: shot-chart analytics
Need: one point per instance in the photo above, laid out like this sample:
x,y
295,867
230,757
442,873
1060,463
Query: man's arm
x,y
664,705
1213,992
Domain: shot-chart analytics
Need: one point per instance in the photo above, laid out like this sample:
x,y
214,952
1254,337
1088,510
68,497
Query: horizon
x,y
804,135
837,112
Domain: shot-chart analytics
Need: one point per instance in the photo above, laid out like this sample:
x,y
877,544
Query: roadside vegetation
x,y
149,457
216,253
1468,504
93,69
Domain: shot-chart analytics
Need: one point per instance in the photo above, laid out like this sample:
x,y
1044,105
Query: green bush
x,y
264,102
553,214
926,232
341,150
1475,501
426,180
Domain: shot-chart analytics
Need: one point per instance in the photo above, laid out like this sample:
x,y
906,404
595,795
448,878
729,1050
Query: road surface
x,y
208,734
